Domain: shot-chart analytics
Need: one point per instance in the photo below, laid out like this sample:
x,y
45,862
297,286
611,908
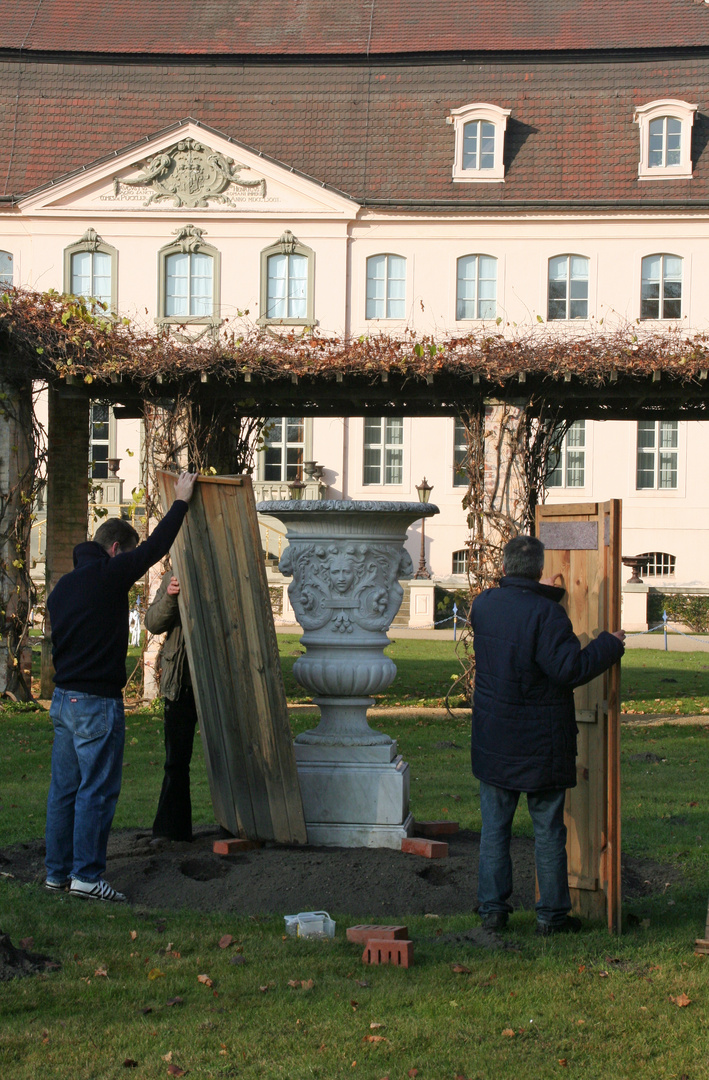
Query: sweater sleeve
x,y
164,612
561,657
129,566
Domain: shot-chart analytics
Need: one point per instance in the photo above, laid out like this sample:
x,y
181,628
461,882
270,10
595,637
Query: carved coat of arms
x,y
190,174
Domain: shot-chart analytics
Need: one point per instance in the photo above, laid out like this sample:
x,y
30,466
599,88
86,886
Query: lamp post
x,y
296,489
423,490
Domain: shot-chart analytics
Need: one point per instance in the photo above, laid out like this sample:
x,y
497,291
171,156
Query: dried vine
x,y
18,594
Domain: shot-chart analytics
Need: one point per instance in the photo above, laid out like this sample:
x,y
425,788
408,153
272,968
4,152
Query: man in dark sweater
x,y
89,612
527,662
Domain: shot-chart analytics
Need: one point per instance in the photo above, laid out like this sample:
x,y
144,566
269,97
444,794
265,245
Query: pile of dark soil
x,y
14,963
366,883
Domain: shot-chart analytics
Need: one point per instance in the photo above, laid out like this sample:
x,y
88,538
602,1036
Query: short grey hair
x,y
523,557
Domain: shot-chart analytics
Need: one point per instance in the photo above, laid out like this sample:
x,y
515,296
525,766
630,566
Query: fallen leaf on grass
x,y
133,935
156,973
681,1001
130,1063
268,986
26,942
604,975
509,1032
147,1009
301,984
461,969
205,980
225,941
175,1001
237,960
175,1070
101,972
413,1072
168,1056
375,1027
374,1038
563,1062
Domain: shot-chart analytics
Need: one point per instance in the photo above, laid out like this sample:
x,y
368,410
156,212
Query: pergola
x,y
82,355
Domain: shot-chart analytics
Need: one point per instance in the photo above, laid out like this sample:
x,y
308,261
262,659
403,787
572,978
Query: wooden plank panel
x,y
233,653
589,573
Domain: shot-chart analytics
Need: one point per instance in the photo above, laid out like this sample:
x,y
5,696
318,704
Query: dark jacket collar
x,y
88,551
551,592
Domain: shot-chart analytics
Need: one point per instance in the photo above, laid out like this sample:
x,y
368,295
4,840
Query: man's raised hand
x,y
184,487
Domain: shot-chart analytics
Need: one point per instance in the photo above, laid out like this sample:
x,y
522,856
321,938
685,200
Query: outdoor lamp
x,y
296,489
423,490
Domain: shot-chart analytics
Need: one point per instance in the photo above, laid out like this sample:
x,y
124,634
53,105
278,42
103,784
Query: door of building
x,y
582,542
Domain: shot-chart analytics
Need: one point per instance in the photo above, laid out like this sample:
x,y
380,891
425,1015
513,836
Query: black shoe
x,y
496,920
570,925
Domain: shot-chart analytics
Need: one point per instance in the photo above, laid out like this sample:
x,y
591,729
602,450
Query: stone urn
x,y
346,559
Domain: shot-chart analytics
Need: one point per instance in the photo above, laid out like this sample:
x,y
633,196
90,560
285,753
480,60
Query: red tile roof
x,y
334,27
570,134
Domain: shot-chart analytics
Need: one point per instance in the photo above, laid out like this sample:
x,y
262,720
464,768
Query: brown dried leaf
x,y
130,1063
460,969
681,1001
268,986
564,1063
133,935
175,1001
102,972
307,984
374,1027
413,1072
509,1032
205,980
156,973
374,1038
175,1070
294,983
225,941
168,1056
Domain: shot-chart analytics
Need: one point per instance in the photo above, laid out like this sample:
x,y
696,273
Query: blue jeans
x,y
87,765
546,808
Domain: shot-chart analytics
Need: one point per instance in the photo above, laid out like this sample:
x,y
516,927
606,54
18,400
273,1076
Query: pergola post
x,y
67,499
16,458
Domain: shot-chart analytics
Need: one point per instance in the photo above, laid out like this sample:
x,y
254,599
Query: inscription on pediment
x,y
191,175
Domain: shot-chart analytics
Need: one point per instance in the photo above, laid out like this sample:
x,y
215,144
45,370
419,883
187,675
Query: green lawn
x,y
585,1007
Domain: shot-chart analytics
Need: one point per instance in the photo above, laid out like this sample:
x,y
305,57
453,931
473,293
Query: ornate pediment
x,y
191,174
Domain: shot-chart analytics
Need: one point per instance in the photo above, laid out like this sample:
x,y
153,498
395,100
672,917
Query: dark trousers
x,y
174,815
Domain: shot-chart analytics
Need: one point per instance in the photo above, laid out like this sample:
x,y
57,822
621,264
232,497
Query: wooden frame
x,y
233,656
582,542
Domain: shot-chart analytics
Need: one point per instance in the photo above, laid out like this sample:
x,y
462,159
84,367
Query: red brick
x,y
233,846
435,828
429,849
398,953
360,935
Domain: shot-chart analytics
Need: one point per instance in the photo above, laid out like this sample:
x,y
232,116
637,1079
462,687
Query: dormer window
x,y
665,139
479,143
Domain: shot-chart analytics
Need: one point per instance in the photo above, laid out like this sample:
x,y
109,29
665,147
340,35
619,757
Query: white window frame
x,y
283,444
460,453
477,300
91,242
662,299
387,449
461,556
657,451
660,564
568,299
386,317
109,442
483,112
288,244
7,276
654,110
189,241
565,465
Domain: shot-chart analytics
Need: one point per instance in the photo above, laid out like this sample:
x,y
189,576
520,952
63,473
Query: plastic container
x,y
317,924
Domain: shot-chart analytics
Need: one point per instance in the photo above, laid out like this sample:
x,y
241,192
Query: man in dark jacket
x,y
173,820
527,662
88,609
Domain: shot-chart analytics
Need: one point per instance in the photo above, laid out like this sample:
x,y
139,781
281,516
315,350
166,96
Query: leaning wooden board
x,y
233,656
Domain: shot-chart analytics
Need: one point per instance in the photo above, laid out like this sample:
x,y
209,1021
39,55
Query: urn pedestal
x,y
346,559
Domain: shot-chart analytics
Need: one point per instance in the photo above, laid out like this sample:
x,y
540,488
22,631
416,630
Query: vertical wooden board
x,y
233,653
612,847
589,575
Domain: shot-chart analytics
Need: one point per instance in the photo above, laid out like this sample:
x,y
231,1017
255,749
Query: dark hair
x,y
116,529
523,557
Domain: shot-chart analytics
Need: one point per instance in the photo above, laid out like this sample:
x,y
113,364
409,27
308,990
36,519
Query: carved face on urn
x,y
342,572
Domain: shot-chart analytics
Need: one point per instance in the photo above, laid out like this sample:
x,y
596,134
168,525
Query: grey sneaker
x,y
96,890
57,886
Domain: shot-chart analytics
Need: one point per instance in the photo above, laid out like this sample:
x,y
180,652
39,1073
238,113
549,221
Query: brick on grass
x,y
429,849
383,951
363,933
435,828
234,846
